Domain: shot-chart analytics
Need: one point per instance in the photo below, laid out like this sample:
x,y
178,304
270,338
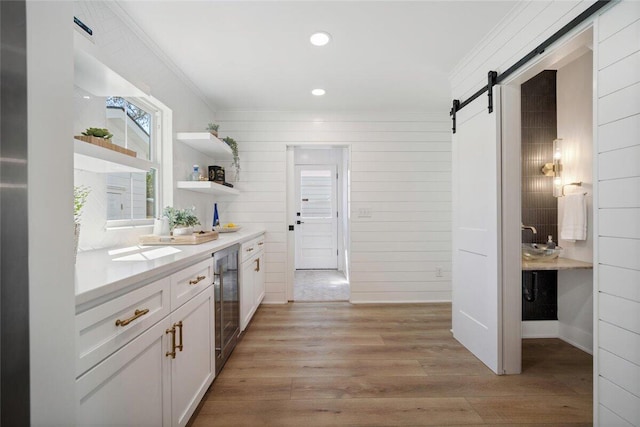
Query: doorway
x,y
318,244
487,314
533,212
317,213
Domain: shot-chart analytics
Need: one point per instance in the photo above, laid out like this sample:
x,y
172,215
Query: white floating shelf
x,y
207,144
208,187
93,158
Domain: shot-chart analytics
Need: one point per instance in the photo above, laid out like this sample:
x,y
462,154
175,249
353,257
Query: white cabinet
x,y
252,283
259,286
189,282
247,298
147,357
104,329
193,368
132,387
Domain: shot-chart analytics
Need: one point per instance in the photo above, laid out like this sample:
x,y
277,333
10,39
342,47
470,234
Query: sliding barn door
x,y
476,200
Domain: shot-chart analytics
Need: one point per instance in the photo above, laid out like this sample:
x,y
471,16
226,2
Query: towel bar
x,y
577,184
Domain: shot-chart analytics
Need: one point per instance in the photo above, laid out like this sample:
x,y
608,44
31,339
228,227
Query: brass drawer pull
x,y
261,243
172,331
258,264
249,249
197,280
136,314
179,325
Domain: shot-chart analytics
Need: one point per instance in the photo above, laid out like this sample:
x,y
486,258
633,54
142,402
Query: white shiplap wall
x,y
617,190
521,30
400,170
618,245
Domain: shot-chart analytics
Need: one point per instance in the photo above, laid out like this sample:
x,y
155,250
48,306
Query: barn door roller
x,y
495,78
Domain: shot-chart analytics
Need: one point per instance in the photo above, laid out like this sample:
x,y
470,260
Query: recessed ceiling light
x,y
318,92
320,38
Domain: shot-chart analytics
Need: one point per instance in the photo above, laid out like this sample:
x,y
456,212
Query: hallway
x,y
320,285
327,364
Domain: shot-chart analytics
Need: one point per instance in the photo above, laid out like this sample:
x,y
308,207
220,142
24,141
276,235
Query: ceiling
x,y
384,55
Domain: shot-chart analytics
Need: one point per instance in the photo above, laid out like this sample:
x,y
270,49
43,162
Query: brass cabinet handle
x,y
172,353
179,325
258,264
197,280
136,314
249,249
261,243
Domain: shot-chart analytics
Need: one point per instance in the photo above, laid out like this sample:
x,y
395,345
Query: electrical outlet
x,y
438,271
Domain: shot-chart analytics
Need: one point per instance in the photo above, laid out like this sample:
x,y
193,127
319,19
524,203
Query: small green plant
x,y
234,148
80,194
151,191
98,132
180,217
212,127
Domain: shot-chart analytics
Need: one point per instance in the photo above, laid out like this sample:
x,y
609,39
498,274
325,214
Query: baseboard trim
x,y
540,329
576,337
430,301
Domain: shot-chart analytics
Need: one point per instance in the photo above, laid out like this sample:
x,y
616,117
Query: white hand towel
x,y
574,220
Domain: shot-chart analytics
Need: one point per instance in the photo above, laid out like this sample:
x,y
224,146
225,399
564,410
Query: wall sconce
x,y
555,169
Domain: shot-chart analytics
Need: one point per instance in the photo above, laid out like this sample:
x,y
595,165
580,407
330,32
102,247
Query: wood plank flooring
x,y
331,364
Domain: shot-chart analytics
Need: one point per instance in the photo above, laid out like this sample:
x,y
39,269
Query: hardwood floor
x,y
326,364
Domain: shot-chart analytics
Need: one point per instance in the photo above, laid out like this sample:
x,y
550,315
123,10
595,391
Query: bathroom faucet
x,y
529,227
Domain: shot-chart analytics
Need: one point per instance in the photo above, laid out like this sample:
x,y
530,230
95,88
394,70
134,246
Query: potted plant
x,y
213,129
102,138
181,221
151,194
236,158
98,133
80,195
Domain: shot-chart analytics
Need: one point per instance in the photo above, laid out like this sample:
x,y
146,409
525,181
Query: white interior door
x,y
476,199
317,230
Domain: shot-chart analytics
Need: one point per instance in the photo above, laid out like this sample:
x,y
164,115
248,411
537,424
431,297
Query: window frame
x,y
160,132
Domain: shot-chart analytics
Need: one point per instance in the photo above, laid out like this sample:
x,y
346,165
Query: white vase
x,y
183,231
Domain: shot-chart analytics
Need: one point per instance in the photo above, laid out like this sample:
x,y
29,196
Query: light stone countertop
x,y
109,272
556,264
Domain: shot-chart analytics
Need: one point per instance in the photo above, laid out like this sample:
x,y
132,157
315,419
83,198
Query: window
x,y
132,197
316,187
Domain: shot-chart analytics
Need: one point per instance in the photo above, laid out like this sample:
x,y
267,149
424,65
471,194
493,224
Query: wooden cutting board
x,y
194,239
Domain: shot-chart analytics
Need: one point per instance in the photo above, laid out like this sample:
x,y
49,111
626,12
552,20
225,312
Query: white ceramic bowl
x,y
222,229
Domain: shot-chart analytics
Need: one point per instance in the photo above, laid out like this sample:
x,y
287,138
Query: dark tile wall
x,y
539,207
540,295
539,129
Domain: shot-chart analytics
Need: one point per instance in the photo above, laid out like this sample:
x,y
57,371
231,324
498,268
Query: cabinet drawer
x,y
248,249
189,282
260,243
104,329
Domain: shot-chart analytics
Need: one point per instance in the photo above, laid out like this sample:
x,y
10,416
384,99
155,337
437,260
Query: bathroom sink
x,y
539,252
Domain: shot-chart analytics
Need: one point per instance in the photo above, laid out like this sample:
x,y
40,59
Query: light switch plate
x,y
364,213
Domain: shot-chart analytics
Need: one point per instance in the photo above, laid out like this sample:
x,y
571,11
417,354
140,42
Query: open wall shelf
x,y
207,144
208,187
94,158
